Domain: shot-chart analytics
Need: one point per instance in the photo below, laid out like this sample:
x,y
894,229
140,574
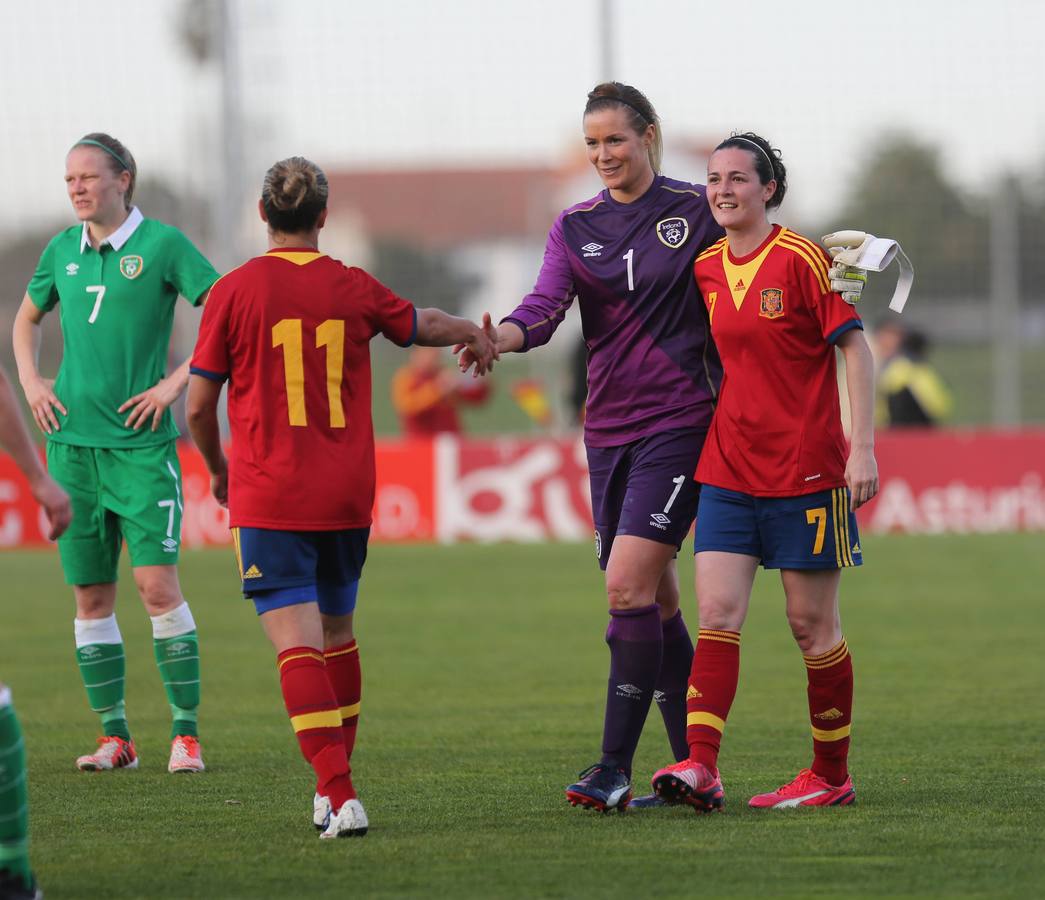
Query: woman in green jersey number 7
x,y
110,434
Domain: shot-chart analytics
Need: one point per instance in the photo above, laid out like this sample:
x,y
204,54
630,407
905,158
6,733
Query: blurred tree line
x,y
904,193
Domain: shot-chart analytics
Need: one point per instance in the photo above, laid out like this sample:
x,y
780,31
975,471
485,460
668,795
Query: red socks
x,y
314,715
344,674
712,687
830,711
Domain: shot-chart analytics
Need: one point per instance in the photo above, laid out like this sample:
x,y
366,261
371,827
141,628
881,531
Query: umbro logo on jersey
x,y
131,266
252,572
72,269
659,520
89,652
179,648
169,545
659,697
592,249
629,690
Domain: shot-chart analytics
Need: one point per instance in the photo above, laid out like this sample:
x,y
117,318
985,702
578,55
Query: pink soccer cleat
x,y
690,782
808,789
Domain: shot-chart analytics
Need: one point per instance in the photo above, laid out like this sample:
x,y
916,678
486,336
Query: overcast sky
x,y
416,83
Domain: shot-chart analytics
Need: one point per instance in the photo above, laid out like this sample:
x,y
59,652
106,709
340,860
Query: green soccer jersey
x,y
117,311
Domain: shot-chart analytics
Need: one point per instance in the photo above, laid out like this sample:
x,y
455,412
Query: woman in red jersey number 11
x,y
778,485
290,332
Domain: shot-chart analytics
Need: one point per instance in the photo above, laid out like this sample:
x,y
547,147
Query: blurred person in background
x,y
911,393
16,878
779,485
110,434
290,332
427,395
627,255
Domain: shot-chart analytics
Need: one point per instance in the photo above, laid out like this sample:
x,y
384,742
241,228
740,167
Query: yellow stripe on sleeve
x,y
327,718
816,263
347,712
706,718
835,734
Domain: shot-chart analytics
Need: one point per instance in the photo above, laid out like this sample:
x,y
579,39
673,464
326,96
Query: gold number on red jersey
x,y
331,334
287,333
818,517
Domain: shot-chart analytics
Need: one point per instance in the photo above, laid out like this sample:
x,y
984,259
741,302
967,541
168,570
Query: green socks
x,y
178,658
99,655
14,800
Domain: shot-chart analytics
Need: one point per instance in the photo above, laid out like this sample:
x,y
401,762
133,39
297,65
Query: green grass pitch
x,y
484,674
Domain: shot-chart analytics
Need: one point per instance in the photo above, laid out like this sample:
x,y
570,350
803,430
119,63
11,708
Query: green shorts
x,y
116,495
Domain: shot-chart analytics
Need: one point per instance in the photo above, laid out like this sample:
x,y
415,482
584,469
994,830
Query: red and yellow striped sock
x,y
830,711
712,687
313,711
347,680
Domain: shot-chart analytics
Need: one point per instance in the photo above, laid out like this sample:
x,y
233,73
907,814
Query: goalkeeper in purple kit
x,y
653,373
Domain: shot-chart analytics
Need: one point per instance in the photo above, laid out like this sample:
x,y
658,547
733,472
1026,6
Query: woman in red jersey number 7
x,y
290,331
778,486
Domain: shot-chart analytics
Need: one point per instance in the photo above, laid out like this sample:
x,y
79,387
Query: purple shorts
x,y
645,488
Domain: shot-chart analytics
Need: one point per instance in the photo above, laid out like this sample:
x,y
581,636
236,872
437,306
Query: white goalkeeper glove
x,y
855,253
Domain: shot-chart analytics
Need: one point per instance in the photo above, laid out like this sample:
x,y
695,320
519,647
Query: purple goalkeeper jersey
x,y
651,361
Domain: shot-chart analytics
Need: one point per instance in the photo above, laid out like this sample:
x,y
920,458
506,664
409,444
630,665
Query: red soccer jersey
x,y
291,332
777,430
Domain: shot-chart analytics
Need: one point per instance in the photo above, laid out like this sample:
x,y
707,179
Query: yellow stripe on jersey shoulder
x,y
808,251
298,257
713,250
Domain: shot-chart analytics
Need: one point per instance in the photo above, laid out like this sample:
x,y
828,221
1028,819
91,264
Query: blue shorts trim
x,y
284,568
333,599
811,531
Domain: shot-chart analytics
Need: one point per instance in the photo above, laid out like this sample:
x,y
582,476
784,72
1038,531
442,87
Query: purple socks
x,y
636,641
672,682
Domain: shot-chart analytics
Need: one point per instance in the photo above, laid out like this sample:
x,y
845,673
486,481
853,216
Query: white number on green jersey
x,y
98,289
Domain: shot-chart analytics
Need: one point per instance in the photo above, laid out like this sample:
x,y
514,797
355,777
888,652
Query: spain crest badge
x,y
131,266
772,303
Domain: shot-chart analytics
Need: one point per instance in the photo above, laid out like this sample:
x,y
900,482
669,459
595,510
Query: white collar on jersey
x,y
120,236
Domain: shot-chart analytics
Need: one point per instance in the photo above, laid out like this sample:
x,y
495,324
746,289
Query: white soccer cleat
x,y
185,755
112,753
349,821
320,812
